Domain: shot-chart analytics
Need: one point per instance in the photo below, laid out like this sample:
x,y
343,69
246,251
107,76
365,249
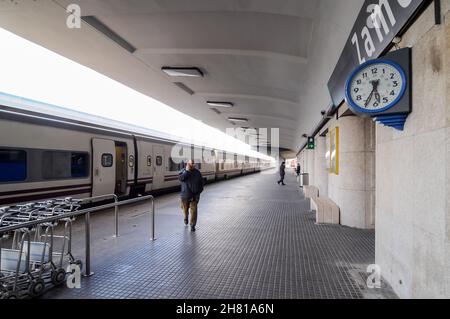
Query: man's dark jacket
x,y
191,184
282,169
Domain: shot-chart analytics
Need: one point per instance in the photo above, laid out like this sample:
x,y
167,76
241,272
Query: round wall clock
x,y
375,86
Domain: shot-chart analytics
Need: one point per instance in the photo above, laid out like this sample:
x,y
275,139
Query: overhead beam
x,y
252,53
249,97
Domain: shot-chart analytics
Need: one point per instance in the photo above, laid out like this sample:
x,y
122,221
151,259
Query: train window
x,y
107,160
173,166
60,164
159,160
13,165
80,165
149,160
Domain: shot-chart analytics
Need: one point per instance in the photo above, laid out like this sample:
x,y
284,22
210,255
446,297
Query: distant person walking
x,y
191,187
298,169
282,173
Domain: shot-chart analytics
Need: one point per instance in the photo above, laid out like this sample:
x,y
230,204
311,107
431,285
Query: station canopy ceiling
x,y
270,59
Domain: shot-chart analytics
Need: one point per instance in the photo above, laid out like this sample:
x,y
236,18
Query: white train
x,y
45,156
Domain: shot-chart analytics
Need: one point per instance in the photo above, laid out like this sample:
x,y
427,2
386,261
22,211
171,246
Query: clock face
x,y
376,86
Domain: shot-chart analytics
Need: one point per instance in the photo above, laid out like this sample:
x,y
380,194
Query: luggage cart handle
x,y
86,212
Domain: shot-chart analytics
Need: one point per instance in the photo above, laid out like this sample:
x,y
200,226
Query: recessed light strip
x,y
101,27
237,119
184,87
182,71
220,104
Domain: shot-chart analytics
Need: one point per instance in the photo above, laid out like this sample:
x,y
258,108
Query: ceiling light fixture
x,y
237,119
220,104
184,87
182,71
215,110
101,27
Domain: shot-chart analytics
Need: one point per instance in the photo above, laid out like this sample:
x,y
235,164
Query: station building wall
x,y
353,187
399,182
413,173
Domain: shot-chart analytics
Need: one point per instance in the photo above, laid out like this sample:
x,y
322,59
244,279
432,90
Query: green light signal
x,y
311,143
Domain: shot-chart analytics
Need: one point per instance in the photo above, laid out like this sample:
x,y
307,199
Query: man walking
x,y
191,187
282,173
298,169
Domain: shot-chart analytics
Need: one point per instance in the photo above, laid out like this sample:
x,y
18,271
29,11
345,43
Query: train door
x,y
121,168
159,167
103,169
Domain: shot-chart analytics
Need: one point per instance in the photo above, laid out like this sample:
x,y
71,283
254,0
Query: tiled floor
x,y
254,239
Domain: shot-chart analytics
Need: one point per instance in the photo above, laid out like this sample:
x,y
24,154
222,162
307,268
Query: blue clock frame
x,y
356,107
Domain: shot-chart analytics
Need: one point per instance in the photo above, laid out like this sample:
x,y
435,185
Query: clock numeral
x,y
385,82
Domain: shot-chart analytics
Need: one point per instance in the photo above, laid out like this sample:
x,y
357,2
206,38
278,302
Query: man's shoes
x,y
278,182
283,184
186,222
192,228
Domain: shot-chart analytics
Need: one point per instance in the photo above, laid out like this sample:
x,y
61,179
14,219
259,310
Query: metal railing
x,y
86,212
116,208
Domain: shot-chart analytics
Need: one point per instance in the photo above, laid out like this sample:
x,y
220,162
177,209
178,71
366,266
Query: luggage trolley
x,y
34,261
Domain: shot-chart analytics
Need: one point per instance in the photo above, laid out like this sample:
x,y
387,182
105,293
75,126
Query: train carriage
x,y
43,156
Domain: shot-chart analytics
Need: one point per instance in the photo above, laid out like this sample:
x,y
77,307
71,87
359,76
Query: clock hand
x,y
377,96
368,99
375,87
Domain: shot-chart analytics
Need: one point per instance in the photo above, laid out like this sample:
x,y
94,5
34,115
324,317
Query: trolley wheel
x,y
58,276
36,287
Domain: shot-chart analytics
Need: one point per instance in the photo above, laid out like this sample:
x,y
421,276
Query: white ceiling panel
x,y
271,58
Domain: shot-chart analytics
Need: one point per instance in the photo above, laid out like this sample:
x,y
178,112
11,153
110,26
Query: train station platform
x,y
254,239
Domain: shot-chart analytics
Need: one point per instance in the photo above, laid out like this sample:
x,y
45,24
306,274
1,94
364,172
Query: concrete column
x,y
310,166
353,189
320,169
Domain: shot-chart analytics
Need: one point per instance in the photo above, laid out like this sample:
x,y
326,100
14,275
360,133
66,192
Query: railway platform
x,y
255,239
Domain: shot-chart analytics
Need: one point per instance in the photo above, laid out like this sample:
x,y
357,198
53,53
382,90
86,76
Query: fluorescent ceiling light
x,y
182,71
237,119
97,24
184,87
220,104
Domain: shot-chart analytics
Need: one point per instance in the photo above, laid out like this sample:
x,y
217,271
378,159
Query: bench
x,y
327,212
311,191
